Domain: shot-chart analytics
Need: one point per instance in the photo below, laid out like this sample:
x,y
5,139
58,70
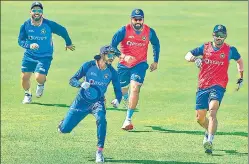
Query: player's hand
x,y
71,47
153,66
198,62
129,58
34,46
115,103
85,85
239,83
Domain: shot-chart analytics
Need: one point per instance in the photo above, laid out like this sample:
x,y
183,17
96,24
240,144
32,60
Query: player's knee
x,y
25,77
40,79
101,121
135,89
200,119
62,129
212,113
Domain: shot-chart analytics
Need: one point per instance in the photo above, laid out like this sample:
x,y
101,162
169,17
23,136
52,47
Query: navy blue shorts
x,y
36,64
204,96
136,73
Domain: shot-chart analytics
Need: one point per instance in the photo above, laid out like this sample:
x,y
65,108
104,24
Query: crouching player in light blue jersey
x,y
36,37
90,99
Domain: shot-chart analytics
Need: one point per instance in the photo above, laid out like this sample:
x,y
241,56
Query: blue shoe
x,y
99,157
208,147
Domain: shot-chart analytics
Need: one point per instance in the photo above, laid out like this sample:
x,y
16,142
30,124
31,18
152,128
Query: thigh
x,y
99,111
73,117
138,72
26,75
202,96
28,64
216,93
201,113
124,74
43,65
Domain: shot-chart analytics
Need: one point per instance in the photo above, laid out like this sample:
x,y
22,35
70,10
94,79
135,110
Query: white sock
x,y
40,84
28,91
210,138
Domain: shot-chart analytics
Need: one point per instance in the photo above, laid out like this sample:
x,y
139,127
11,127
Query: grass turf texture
x,y
166,130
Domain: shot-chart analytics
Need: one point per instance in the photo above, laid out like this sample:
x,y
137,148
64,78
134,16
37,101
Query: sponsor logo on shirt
x,y
129,43
100,83
215,62
37,38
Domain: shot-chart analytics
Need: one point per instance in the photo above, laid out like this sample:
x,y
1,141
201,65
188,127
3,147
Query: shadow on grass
x,y
67,106
232,152
158,128
149,161
120,109
56,105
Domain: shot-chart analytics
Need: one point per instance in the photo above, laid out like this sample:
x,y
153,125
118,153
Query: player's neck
x,y
101,64
36,23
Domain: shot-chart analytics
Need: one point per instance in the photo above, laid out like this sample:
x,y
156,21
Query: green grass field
x,y
165,126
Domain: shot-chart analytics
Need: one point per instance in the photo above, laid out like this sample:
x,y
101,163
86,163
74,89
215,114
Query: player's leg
x,y
201,111
203,121
28,67
215,97
26,86
213,122
41,74
72,118
124,77
137,77
125,93
99,112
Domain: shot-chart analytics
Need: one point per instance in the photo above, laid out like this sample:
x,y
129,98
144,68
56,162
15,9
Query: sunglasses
x,y
137,19
220,34
37,10
111,56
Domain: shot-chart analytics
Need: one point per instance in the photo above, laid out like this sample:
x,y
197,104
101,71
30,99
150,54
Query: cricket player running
x,y
36,38
90,99
213,79
134,39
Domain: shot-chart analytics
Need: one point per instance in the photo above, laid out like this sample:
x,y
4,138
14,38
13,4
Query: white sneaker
x,y
127,125
39,90
99,157
27,99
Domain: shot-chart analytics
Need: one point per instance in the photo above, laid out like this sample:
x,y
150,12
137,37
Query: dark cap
x,y
107,49
36,4
220,28
138,13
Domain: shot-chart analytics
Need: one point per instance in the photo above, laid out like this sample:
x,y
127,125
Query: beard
x,y
36,17
137,26
219,42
